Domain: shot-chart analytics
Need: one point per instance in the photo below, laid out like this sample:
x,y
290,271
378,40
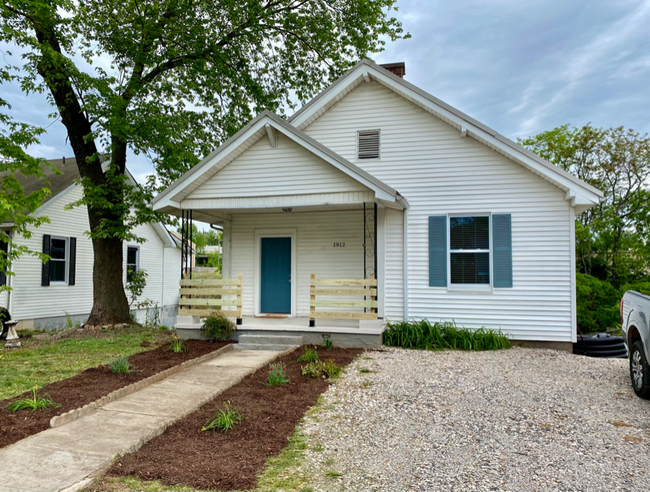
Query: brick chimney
x,y
398,68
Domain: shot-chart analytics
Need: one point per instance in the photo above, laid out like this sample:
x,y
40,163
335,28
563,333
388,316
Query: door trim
x,y
259,234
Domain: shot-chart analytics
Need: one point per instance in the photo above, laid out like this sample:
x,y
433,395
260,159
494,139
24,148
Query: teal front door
x,y
276,275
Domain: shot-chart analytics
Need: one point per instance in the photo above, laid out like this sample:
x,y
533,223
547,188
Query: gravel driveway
x,y
519,419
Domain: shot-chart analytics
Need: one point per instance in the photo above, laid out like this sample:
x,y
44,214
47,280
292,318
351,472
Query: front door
x,y
276,275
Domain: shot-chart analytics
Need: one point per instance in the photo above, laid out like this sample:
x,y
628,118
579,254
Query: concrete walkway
x,y
67,457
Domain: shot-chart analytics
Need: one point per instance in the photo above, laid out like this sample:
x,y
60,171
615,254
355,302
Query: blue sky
x,y
519,67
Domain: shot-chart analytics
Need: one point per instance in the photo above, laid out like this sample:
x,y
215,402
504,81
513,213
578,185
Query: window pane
x,y
57,271
57,249
131,256
470,268
469,233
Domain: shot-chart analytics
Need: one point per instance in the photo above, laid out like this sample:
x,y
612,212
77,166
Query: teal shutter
x,y
502,244
438,251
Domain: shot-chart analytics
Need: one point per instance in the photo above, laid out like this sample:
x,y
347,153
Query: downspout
x,y
223,248
405,260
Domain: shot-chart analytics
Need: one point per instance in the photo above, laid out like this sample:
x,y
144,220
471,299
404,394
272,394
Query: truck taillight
x,y
621,312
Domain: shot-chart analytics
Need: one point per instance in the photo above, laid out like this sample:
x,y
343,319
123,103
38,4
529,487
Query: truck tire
x,y
639,371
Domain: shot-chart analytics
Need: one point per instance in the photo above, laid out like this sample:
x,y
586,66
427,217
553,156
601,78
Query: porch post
x,y
370,244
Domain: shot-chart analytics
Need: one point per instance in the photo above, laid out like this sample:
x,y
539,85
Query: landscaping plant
x,y
177,346
328,343
121,366
320,369
309,355
34,403
439,336
277,375
224,420
218,327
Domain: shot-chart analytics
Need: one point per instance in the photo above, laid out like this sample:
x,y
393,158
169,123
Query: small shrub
x,y
224,420
328,343
320,369
309,355
218,327
177,346
277,375
439,336
121,366
34,403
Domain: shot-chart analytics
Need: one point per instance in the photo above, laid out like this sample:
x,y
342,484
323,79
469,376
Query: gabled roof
x,y
264,124
581,194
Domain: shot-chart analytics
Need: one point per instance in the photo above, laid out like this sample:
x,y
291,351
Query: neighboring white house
x,y
470,226
43,296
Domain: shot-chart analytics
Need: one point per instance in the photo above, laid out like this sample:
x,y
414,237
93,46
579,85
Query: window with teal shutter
x,y
438,251
502,244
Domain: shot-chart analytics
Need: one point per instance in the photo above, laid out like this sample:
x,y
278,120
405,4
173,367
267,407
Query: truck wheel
x,y
639,371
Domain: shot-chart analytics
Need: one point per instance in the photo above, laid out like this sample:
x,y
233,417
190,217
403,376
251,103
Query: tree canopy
x,y
172,79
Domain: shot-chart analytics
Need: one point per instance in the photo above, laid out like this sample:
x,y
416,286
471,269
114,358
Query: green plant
x,y
218,327
367,384
277,375
121,366
309,355
332,474
439,336
364,370
34,403
328,343
136,281
177,346
224,420
68,321
327,369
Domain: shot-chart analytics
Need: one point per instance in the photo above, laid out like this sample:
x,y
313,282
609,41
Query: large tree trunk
x,y
109,299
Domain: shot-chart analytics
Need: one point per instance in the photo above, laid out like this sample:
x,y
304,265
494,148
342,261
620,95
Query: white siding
x,y
29,300
439,173
172,276
3,299
263,171
315,235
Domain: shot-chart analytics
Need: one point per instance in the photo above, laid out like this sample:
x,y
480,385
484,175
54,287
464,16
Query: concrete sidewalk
x,y
67,457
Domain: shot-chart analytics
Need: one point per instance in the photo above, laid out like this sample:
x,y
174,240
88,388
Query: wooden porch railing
x,y
202,297
327,287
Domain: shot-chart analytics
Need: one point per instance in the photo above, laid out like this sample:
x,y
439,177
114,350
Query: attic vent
x,y
368,144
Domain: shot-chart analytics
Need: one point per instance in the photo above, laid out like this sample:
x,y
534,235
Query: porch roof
x,y
181,194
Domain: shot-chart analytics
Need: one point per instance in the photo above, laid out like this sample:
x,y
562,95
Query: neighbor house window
x,y
58,259
469,250
132,260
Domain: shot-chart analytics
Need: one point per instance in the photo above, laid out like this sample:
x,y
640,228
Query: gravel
x,y
518,419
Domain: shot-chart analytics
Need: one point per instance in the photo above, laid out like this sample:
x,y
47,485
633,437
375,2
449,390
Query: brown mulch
x,y
185,455
90,385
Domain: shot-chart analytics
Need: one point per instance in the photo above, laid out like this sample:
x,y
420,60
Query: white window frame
x,y
65,261
473,287
137,259
378,130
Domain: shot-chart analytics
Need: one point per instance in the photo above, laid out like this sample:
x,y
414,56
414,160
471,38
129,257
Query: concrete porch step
x,y
267,342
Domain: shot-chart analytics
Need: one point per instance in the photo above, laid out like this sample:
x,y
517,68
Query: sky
x,y
519,67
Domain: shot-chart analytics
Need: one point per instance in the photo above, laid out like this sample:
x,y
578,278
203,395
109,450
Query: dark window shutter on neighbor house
x,y
438,251
45,267
4,247
502,243
73,260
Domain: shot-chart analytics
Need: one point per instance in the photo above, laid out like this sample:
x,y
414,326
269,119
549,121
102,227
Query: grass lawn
x,y
20,369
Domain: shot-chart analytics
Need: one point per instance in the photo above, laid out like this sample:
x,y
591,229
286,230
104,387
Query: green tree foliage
x,y
611,246
172,79
16,205
201,239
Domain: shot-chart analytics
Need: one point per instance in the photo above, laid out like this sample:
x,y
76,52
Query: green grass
x,y
21,369
128,484
439,336
365,370
281,471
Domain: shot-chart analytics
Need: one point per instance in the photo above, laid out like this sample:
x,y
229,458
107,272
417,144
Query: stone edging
x,y
72,415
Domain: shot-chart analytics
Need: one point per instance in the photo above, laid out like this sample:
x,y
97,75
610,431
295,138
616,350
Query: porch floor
x,y
301,323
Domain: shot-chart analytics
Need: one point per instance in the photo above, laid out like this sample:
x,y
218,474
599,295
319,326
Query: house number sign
x,y
339,245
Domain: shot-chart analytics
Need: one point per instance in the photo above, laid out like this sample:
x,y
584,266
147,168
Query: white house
x,y
375,176
44,296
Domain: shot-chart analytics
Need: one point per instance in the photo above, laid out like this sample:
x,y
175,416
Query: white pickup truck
x,y
635,321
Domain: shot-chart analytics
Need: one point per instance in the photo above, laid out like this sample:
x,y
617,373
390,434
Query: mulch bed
x,y
185,455
90,385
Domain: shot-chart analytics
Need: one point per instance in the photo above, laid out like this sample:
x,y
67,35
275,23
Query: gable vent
x,y
368,144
